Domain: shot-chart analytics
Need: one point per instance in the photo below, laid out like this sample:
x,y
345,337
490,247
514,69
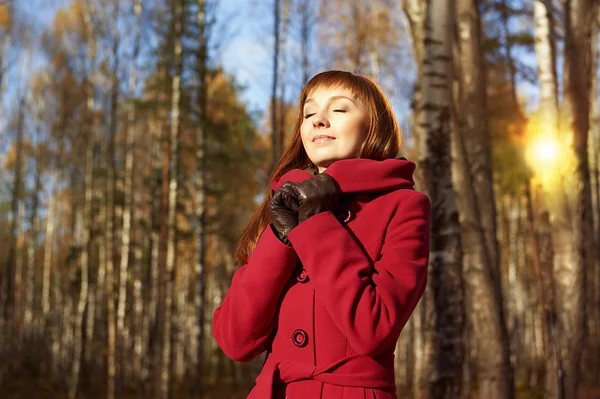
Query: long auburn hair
x,y
382,142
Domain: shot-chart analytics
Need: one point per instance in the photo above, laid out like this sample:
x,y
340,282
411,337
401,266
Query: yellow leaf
x,y
4,16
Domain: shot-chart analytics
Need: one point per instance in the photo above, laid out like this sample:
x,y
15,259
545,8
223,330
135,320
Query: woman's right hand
x,y
284,212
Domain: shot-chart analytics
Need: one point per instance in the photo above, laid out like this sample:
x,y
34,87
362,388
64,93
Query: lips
x,y
322,137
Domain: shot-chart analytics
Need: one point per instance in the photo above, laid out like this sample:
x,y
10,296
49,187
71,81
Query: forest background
x,y
137,137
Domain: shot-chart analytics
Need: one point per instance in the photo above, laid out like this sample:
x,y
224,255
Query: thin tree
x,y
108,224
130,135
33,239
172,202
200,190
274,119
282,54
87,212
307,20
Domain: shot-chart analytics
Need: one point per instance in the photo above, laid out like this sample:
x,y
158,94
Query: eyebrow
x,y
330,99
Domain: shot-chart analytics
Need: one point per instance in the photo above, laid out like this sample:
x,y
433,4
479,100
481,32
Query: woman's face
x,y
334,127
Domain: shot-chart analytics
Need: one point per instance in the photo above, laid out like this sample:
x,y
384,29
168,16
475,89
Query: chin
x,y
325,163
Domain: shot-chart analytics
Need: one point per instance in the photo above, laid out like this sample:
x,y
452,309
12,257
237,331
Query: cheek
x,y
304,133
358,131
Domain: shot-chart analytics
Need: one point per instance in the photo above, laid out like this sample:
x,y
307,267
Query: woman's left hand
x,y
318,194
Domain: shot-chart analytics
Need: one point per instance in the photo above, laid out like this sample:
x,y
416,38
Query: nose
x,y
320,121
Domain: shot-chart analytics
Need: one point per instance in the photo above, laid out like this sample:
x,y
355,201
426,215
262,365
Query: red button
x,y
300,338
302,276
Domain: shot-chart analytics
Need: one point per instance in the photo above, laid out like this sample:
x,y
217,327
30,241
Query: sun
x,y
544,151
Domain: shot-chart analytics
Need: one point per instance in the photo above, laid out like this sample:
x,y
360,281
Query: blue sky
x,y
245,52
246,49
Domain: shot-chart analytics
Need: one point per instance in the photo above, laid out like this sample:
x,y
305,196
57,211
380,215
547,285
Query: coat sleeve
x,y
244,320
369,301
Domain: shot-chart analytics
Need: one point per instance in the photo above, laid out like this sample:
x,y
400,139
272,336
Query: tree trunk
x,y
282,54
306,24
200,214
129,206
56,322
154,314
572,233
595,124
545,49
419,371
434,25
47,263
85,244
514,322
512,69
543,310
172,203
473,173
117,339
122,330
31,248
274,119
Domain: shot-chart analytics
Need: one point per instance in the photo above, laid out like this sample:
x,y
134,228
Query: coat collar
x,y
360,175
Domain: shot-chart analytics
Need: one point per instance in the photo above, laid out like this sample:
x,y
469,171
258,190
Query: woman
x,y
335,259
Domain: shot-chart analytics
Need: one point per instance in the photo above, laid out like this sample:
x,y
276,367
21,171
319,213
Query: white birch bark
x,y
151,315
56,322
47,262
122,331
89,323
85,242
433,23
116,328
548,116
138,309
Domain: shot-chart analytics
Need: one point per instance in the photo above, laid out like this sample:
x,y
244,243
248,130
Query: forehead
x,y
323,93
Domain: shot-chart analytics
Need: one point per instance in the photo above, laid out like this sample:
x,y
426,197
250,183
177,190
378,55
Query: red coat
x,y
329,309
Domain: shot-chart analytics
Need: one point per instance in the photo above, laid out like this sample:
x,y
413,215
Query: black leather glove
x,y
318,194
283,209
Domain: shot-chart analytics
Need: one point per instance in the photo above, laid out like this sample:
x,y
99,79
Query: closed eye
x,y
340,110
308,116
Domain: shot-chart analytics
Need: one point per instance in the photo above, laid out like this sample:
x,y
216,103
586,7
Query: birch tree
x,y
126,235
85,238
432,25
178,13
545,49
